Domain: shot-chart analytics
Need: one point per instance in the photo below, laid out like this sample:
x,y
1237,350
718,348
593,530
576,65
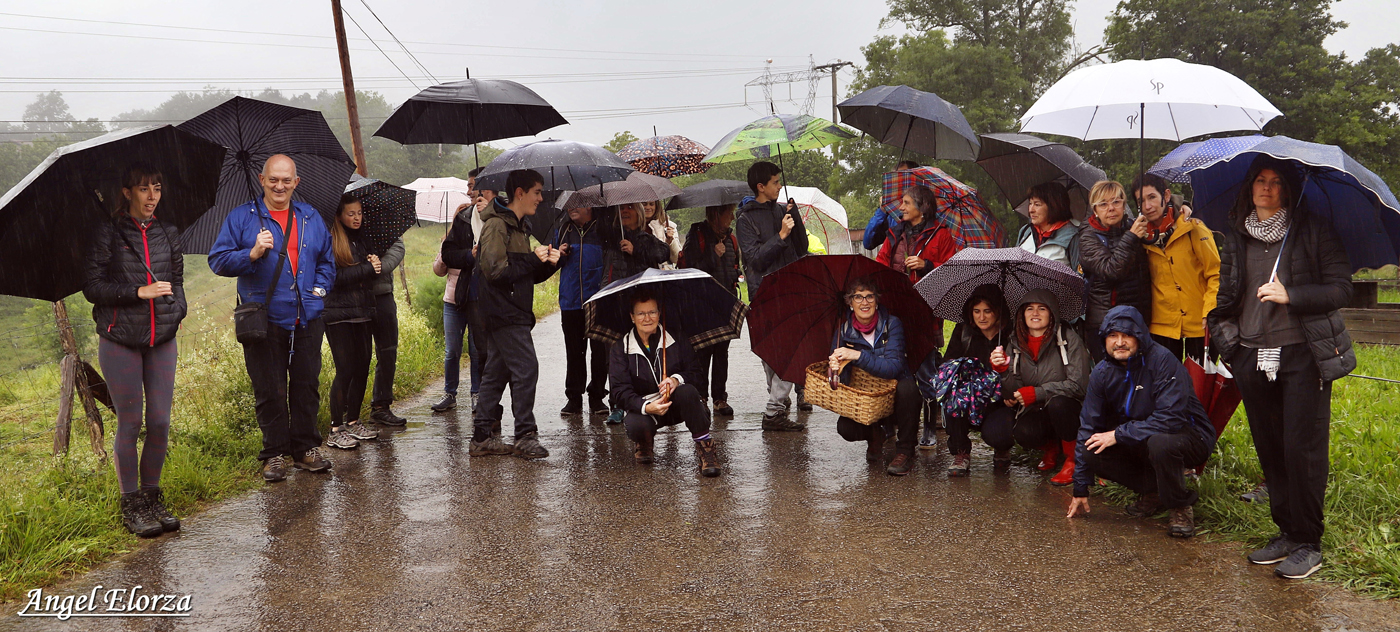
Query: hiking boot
x,y
137,517
1182,523
645,449
448,402
275,469
312,461
709,461
1303,561
490,446
1147,505
597,406
802,404
573,407
340,438
900,464
155,499
528,447
1277,550
361,431
779,422
722,408
961,466
386,417
615,417
1260,494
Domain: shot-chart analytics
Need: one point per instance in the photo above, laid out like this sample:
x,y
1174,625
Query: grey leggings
x,y
135,374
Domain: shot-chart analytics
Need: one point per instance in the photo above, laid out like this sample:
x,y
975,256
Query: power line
x,y
396,39
381,51
122,80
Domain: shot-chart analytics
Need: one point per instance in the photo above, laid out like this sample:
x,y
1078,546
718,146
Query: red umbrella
x,y
794,317
1215,387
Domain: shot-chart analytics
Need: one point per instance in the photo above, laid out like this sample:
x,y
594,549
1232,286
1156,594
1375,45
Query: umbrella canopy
x,y
959,206
1017,162
710,193
469,112
1158,98
565,164
911,119
47,219
637,188
437,199
666,156
775,135
793,320
1177,165
1015,271
1362,209
692,304
388,212
254,131
823,217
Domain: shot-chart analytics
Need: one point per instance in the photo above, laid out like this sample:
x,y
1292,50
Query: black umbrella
x,y
918,121
1017,162
254,131
566,165
692,303
710,193
46,220
388,212
469,112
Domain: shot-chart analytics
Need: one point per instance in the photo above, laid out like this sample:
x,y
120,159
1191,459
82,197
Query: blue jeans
x,y
454,324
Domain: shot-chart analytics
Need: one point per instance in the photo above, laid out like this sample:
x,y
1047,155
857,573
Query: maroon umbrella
x,y
794,317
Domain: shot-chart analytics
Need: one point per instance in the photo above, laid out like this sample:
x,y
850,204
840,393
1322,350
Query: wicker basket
x,y
867,399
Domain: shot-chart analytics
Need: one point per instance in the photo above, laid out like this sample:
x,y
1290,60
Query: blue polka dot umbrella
x,y
666,156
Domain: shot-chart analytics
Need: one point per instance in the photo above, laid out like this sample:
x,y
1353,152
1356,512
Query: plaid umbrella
x,y
959,206
666,156
775,135
1015,271
388,212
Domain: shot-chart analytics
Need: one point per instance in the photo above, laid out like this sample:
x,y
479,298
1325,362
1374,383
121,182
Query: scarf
x,y
1049,231
1269,231
865,329
1163,228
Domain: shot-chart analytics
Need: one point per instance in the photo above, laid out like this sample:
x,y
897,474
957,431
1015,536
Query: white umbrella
x,y
823,217
438,199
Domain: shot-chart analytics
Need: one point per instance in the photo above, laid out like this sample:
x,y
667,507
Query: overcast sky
x,y
608,66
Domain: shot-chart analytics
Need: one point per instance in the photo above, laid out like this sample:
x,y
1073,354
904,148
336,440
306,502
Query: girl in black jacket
x,y
135,282
986,326
349,310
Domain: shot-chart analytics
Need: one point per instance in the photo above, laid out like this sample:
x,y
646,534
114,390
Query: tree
x,y
620,140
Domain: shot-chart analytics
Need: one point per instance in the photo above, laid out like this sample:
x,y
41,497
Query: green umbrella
x,y
775,135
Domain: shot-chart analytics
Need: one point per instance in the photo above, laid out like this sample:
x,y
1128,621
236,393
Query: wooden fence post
x,y
403,276
78,379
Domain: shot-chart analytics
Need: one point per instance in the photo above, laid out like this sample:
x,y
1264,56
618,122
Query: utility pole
x,y
833,67
352,111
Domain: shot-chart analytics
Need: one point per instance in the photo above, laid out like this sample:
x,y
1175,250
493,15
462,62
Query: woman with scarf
x,y
872,340
1113,261
349,310
1184,264
981,331
918,243
1284,276
1052,232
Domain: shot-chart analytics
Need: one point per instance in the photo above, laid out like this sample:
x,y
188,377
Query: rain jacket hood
x,y
1062,366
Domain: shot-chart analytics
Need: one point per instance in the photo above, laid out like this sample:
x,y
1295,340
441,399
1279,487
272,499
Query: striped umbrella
x,y
254,131
666,156
959,206
772,136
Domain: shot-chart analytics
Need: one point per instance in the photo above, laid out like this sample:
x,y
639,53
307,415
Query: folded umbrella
x,y
1215,387
46,220
823,217
692,304
637,188
469,112
710,193
666,156
775,135
793,319
388,212
1017,162
911,119
959,206
947,287
254,131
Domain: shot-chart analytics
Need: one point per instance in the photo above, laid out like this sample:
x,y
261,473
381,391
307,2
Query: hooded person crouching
x,y
1141,425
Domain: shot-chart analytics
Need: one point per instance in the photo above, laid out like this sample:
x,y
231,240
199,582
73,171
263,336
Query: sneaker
x,y
779,422
900,465
1260,494
312,461
340,438
573,407
1182,523
137,517
709,461
491,446
361,431
275,469
961,466
528,447
928,439
155,499
1303,561
616,416
448,402
1277,550
722,408
387,417
597,406
1147,505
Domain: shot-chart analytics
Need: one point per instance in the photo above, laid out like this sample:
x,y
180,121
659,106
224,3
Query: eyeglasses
x,y
1115,203
863,298
646,315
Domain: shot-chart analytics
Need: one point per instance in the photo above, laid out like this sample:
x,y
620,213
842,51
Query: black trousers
x,y
686,407
714,371
576,347
285,371
386,349
1289,420
959,428
351,345
905,420
1155,466
512,360
1181,347
1057,420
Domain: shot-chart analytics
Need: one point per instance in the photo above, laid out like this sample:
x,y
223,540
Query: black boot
x,y
136,515
156,499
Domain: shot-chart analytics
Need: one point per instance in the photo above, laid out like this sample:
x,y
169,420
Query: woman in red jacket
x,y
919,242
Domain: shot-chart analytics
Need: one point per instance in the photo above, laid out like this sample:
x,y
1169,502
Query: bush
x,y
427,299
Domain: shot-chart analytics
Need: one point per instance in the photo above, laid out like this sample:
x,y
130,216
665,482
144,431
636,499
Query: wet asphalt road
x,y
799,533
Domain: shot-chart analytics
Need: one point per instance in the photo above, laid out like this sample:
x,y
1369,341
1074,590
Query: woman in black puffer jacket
x,y
135,281
1113,262
349,312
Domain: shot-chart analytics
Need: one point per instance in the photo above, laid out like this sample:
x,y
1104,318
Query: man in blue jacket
x,y
285,368
580,276
1141,424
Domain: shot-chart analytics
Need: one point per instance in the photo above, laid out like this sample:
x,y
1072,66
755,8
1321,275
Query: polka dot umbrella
x,y
388,211
666,156
1014,270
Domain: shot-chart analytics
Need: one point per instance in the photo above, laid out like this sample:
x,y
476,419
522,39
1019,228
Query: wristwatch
x,y
318,292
